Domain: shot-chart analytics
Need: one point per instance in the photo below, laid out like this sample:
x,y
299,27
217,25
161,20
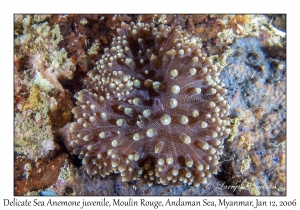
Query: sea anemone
x,y
153,109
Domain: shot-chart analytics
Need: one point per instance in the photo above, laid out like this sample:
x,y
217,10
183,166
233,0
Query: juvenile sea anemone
x,y
153,109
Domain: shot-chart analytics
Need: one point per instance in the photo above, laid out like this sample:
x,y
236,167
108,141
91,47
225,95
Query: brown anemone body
x,y
153,109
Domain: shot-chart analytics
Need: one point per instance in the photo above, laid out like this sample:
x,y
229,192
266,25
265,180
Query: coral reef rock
x,y
257,97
